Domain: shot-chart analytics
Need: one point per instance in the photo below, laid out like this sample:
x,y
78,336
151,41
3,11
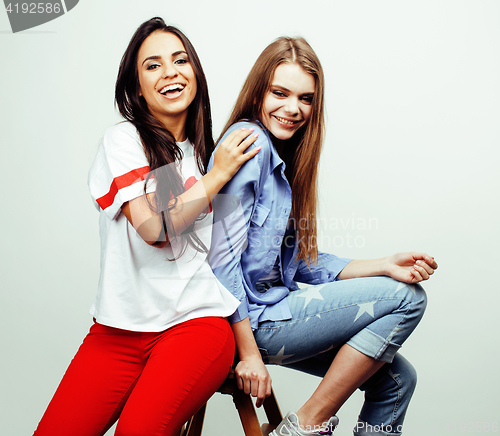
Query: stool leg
x,y
247,413
272,409
273,414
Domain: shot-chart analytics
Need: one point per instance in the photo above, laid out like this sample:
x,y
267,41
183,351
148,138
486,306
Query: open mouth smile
x,y
172,90
285,121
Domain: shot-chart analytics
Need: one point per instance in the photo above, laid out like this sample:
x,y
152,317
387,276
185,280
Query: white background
x,y
410,163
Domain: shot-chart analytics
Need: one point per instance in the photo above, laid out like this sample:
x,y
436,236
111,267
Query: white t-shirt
x,y
139,288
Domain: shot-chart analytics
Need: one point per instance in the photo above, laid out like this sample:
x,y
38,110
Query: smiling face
x,y
167,80
287,104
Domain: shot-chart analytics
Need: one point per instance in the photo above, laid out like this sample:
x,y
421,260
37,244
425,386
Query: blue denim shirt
x,y
248,235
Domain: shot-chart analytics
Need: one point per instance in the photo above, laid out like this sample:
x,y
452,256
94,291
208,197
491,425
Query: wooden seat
x,y
246,410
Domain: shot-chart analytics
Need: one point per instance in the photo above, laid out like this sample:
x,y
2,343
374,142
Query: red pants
x,y
153,382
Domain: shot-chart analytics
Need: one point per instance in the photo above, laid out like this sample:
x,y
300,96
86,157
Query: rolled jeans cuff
x,y
374,346
364,429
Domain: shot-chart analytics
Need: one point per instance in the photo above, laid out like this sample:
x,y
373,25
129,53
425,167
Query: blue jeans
x,y
374,315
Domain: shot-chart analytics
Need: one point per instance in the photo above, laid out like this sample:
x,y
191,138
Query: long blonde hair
x,y
303,173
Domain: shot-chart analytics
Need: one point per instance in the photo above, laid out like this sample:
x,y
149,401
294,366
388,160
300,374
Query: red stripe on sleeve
x,y
121,182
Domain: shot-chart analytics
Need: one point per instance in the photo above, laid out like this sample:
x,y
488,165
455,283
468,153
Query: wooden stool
x,y
246,410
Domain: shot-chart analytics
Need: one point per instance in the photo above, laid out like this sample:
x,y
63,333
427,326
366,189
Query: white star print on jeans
x,y
374,315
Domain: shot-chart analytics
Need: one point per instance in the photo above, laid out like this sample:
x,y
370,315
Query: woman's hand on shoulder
x,y
410,267
230,154
254,379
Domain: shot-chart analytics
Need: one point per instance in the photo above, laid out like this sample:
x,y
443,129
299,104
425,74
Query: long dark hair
x,y
307,142
159,144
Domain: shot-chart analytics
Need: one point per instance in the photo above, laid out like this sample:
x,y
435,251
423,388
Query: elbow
x,y
159,244
153,236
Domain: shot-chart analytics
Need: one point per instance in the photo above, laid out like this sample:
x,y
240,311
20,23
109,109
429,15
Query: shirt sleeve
x,y
326,270
233,208
120,170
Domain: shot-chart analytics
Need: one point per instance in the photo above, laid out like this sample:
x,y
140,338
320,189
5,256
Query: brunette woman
x,y
160,344
349,323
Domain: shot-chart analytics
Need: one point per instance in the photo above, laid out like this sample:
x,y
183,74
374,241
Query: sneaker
x,y
290,427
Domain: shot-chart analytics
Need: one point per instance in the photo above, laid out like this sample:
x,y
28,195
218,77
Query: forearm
x,y
251,373
245,341
190,204
409,267
364,268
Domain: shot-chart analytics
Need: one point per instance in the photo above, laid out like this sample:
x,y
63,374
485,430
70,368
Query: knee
x,y
406,375
420,294
411,378
419,301
415,301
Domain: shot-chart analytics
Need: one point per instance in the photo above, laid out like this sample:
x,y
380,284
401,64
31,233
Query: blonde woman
x,y
349,323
